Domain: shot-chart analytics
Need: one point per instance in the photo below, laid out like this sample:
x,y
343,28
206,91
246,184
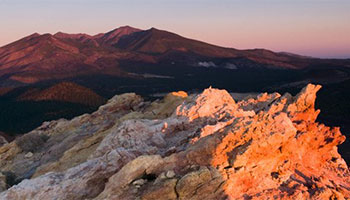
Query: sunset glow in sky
x,y
319,28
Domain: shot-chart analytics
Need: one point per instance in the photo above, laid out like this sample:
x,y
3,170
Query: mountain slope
x,y
156,41
159,42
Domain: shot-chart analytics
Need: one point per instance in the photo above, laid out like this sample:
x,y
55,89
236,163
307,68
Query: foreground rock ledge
x,y
205,146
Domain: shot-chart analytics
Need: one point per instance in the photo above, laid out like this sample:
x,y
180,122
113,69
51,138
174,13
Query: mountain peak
x,y
34,35
124,28
31,36
153,29
127,27
113,36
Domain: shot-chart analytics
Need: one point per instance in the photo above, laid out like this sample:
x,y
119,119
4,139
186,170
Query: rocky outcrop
x,y
205,146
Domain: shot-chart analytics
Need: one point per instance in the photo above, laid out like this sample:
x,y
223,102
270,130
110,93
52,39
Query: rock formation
x,y
205,146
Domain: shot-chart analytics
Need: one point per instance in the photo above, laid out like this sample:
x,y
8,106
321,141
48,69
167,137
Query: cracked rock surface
x,y
205,146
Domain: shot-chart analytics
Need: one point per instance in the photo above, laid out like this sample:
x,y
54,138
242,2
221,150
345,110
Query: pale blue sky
x,y
310,27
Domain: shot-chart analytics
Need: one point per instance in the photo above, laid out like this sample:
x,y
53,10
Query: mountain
x,y
64,92
202,146
45,57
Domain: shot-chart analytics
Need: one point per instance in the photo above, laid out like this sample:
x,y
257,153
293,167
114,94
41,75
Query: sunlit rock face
x,y
205,146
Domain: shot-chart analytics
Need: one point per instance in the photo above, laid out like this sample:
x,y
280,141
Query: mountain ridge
x,y
38,52
43,57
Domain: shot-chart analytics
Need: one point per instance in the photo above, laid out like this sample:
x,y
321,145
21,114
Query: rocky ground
x,y
205,146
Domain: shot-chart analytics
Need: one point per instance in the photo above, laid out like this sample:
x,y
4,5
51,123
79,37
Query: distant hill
x,y
64,92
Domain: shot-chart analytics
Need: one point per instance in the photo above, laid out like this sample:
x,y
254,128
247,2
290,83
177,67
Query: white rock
x,y
170,174
139,182
29,155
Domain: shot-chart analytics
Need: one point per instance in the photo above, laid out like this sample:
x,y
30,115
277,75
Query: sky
x,y
318,28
